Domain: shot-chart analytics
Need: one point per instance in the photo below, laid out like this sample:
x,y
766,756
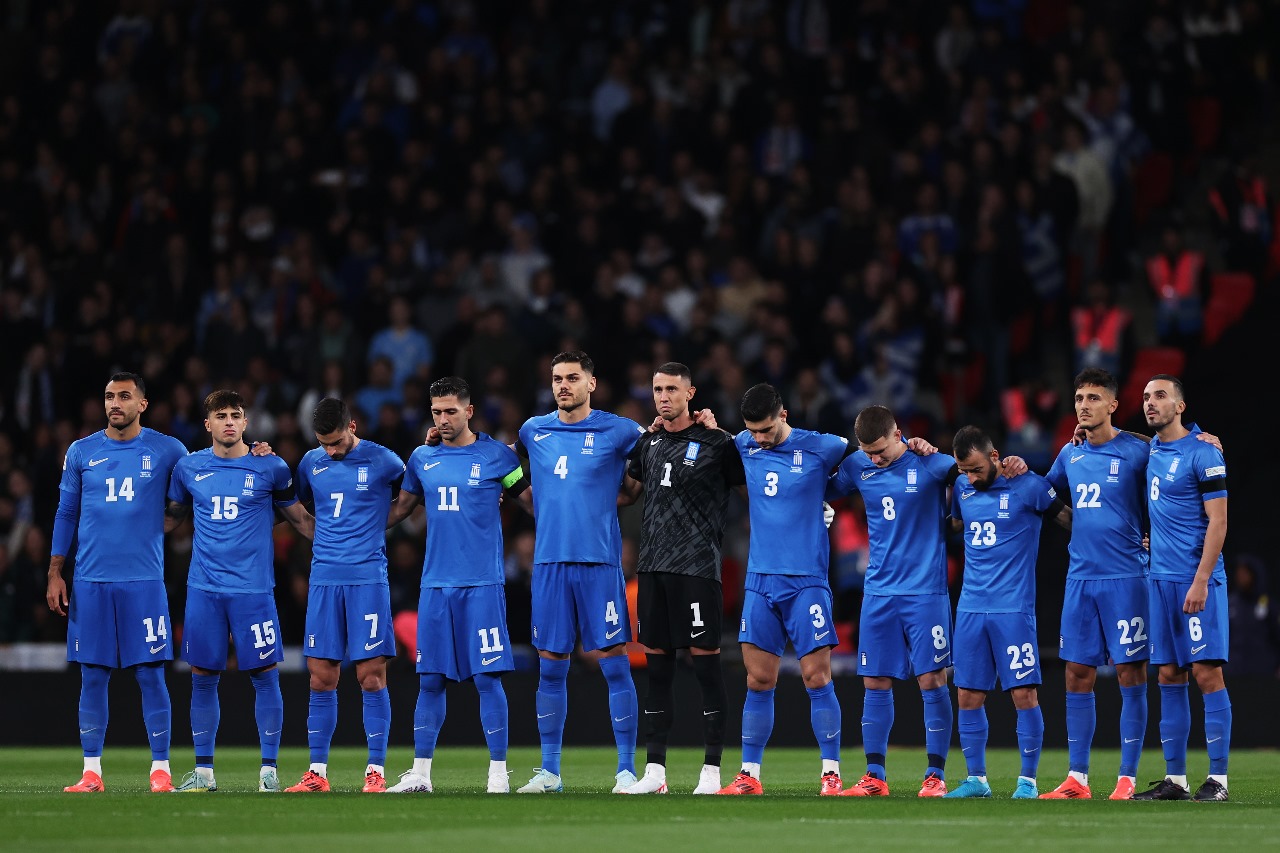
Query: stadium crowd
x,y
946,209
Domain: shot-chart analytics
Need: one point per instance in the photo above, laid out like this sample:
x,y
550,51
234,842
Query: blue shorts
x,y
349,622
462,631
119,624
1185,638
901,636
996,644
1105,620
571,599
248,618
776,608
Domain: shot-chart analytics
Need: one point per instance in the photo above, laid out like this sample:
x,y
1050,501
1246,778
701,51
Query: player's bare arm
x,y
920,447
303,522
56,592
404,504
630,490
174,514
1214,537
1062,517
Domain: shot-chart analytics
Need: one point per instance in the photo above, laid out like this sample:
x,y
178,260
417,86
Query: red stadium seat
x,y
1064,430
1230,295
1147,362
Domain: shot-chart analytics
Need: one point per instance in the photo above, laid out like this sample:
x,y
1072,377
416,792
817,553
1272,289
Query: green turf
x,y
35,815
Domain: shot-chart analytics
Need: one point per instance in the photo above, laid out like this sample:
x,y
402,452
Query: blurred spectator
x,y
1177,276
1255,619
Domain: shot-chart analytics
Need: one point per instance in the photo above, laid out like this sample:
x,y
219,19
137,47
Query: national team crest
x,y
913,477
1173,467
691,452
475,471
362,478
1004,501
588,444
146,466
1115,467
248,482
797,461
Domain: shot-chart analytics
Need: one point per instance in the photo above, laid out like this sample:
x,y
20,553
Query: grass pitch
x,y
36,815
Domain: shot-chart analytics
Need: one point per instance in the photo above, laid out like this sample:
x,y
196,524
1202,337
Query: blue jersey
x,y
232,504
785,484
113,494
1182,475
461,488
1103,484
906,515
576,470
352,498
1001,529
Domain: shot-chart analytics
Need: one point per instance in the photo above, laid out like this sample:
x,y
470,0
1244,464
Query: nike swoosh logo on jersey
x,y
753,451
1131,740
375,734
620,719
1195,650
273,734
964,496
615,632
155,649
86,731
157,734
266,654
309,731
833,734
419,728
867,475
492,731
707,713
933,730
1215,740
1077,458
487,661
368,647
818,637
315,471
1131,652
655,441
1027,751
1165,739
544,716
541,436
206,731
697,635
200,477
429,466
1023,674
97,461
939,658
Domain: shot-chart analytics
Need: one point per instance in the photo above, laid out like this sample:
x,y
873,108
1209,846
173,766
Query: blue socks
x,y
1217,730
93,708
552,704
824,715
205,713
377,722
268,710
973,739
428,714
937,729
322,719
1133,727
1082,718
877,720
1175,727
623,708
757,725
1030,739
493,714
157,713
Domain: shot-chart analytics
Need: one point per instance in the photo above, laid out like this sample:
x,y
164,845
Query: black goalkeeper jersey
x,y
687,476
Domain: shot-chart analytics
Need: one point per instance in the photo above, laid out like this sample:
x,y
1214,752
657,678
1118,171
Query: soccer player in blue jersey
x,y
111,504
906,613
229,586
1104,611
995,633
577,459
351,482
462,611
1187,503
787,595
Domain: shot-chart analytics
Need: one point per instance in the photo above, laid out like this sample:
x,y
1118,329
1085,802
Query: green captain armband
x,y
512,478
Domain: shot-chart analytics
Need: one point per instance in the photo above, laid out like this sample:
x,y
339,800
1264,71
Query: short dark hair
x,y
761,402
968,439
1099,377
125,376
451,386
224,399
1178,390
576,356
873,423
330,415
674,368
